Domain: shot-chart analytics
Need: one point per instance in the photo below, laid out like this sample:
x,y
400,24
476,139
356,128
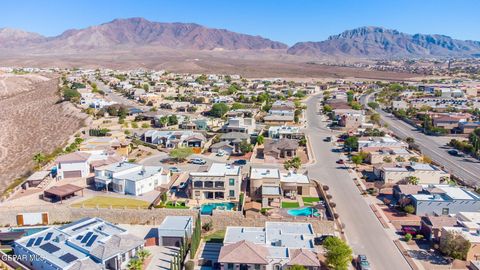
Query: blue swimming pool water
x,y
207,208
29,231
307,211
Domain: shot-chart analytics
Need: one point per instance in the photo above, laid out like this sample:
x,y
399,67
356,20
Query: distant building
x,y
399,173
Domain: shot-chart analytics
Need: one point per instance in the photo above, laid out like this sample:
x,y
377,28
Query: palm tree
x,y
413,180
39,158
400,159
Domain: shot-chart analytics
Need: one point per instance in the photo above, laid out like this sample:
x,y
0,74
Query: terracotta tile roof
x,y
303,257
243,252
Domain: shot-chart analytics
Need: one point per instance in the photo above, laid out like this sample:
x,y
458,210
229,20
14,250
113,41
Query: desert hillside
x,y
31,121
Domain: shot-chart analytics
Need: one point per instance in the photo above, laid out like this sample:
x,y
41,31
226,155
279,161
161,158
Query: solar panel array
x,y
68,258
30,242
48,236
49,247
87,236
38,241
92,240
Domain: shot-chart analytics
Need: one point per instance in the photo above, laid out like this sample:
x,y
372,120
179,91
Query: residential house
x,y
431,226
221,182
120,146
173,139
130,178
400,172
88,243
380,142
234,139
281,113
238,124
278,245
473,236
74,164
282,148
349,119
444,200
288,132
377,155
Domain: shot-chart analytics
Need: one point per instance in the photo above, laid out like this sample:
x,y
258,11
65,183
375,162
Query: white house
x,y
130,178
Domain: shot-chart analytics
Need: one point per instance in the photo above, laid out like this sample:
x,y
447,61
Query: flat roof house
x,y
88,243
399,173
280,132
278,245
173,230
130,178
221,182
444,200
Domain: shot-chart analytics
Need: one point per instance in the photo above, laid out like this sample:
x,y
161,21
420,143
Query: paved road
x,y
467,169
363,230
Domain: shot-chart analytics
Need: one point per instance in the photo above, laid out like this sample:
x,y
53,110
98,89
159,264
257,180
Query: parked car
x,y
410,229
362,263
198,161
174,169
220,154
328,139
340,161
240,162
456,153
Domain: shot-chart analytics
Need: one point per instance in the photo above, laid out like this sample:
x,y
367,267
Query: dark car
x,y
362,263
340,161
456,153
240,162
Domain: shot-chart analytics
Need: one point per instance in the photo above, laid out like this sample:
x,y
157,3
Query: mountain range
x,y
139,33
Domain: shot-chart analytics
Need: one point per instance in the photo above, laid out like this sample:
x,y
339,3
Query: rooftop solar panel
x,y
79,237
68,258
48,236
38,241
87,236
49,247
30,242
92,240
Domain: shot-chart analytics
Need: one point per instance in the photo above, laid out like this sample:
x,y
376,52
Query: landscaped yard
x,y
178,205
114,202
308,201
216,236
290,205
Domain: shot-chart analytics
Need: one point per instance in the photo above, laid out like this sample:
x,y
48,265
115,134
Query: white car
x,y
198,161
220,153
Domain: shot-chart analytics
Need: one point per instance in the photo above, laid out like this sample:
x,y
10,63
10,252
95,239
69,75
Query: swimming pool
x,y
304,212
29,231
207,208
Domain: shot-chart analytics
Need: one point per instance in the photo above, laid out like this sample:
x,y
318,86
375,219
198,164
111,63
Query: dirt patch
x,y
31,121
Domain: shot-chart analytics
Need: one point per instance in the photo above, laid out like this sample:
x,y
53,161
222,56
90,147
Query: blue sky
x,y
281,20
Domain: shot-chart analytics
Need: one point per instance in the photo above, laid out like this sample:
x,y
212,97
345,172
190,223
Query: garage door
x,y
71,174
171,241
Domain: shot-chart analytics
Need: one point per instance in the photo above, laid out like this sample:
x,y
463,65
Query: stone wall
x,y
220,219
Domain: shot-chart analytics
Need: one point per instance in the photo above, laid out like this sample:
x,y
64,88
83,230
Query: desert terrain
x,y
31,121
250,64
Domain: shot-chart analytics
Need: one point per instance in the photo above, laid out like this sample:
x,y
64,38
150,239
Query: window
x,y
445,211
230,266
232,193
277,267
257,266
231,182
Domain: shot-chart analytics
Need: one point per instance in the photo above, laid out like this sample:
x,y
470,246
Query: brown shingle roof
x,y
73,157
243,252
438,222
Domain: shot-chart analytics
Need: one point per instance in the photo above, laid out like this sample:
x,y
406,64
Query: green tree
x,y
219,110
351,143
163,121
357,160
245,147
260,139
412,180
373,105
294,163
375,118
143,254
181,154
39,159
237,106
135,264
409,209
338,253
454,245
413,159
387,159
146,86
172,120
408,237
327,108
400,159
